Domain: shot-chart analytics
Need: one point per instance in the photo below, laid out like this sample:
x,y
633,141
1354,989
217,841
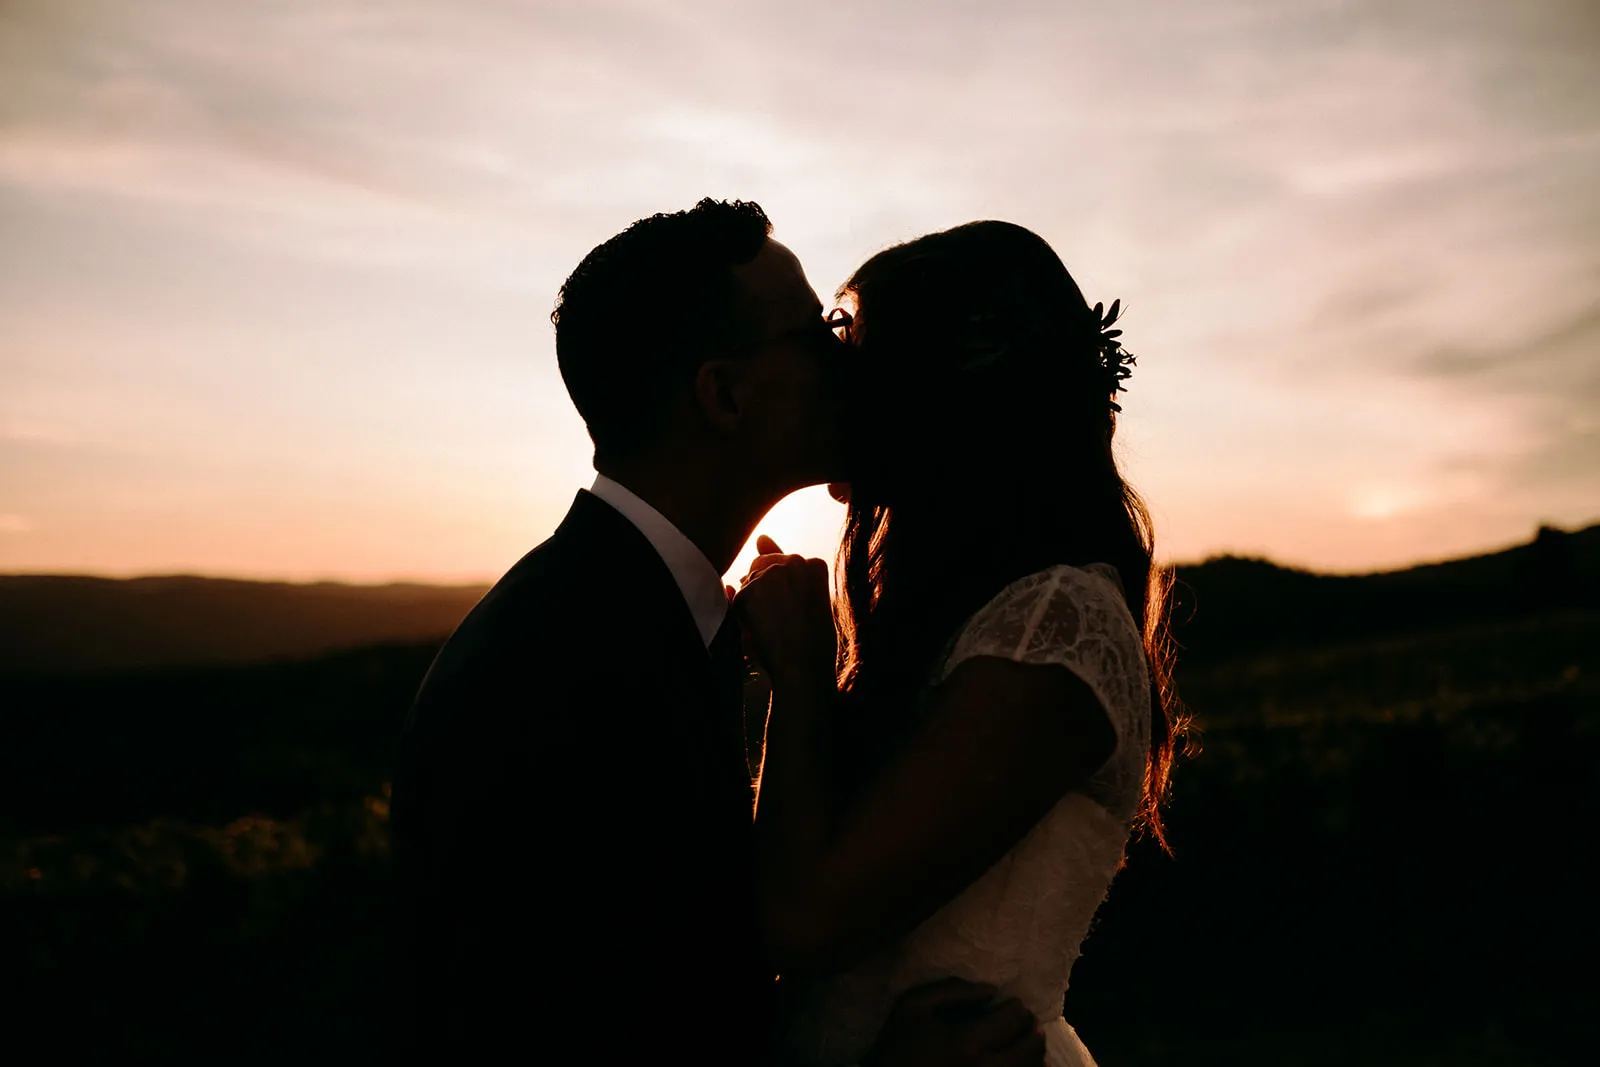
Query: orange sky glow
x,y
275,279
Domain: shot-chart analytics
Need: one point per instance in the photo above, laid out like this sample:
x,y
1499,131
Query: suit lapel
x,y
655,631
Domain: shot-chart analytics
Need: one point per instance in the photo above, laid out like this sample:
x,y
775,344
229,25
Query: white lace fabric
x,y
1021,924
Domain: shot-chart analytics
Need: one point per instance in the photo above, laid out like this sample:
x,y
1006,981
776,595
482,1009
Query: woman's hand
x,y
788,617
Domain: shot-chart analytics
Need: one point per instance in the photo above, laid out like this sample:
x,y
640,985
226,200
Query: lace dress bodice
x,y
1020,925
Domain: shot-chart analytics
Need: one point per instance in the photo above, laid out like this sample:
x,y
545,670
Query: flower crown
x,y
1115,361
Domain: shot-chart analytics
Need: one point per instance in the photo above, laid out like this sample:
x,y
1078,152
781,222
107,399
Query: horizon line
x,y
448,582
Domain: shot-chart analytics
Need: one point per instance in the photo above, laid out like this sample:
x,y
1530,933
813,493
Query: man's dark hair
x,y
642,311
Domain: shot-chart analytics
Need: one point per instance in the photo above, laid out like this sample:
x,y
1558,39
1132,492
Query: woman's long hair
x,y
983,434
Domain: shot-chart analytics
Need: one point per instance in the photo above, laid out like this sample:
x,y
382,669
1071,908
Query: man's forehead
x,y
776,284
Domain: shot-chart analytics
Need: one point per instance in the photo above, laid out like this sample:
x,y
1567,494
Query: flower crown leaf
x,y
1115,361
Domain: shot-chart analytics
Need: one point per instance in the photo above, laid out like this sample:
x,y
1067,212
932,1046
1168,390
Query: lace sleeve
x,y
1076,618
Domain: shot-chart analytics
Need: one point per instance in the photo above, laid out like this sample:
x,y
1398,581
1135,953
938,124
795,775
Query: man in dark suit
x,y
572,809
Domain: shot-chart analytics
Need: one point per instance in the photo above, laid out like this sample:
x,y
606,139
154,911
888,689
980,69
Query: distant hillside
x,y
1231,606
1225,607
57,624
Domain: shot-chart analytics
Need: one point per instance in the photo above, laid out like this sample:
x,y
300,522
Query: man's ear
x,y
719,393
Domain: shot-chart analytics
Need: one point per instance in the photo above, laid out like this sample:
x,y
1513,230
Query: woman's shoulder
x,y
1074,617
1088,585
1045,616
1069,575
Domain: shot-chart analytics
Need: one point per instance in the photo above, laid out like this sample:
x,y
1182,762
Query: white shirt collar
x,y
696,576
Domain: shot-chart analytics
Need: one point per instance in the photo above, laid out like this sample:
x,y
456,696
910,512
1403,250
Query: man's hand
x,y
955,1023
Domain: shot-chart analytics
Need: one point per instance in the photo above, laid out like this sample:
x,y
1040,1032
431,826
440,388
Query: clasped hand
x,y
787,614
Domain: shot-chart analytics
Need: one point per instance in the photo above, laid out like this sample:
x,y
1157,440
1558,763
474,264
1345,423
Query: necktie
x,y
727,679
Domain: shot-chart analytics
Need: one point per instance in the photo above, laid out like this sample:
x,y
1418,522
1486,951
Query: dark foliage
x,y
1380,851
1379,859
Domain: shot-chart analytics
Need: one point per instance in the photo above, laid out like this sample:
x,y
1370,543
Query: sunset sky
x,y
275,277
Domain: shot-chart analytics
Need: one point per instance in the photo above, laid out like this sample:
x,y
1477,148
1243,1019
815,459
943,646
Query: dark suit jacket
x,y
571,820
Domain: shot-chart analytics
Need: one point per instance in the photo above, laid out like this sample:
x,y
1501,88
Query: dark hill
x,y
69,624
1232,606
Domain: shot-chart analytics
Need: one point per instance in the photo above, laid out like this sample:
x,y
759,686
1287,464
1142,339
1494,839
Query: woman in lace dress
x,y
956,798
